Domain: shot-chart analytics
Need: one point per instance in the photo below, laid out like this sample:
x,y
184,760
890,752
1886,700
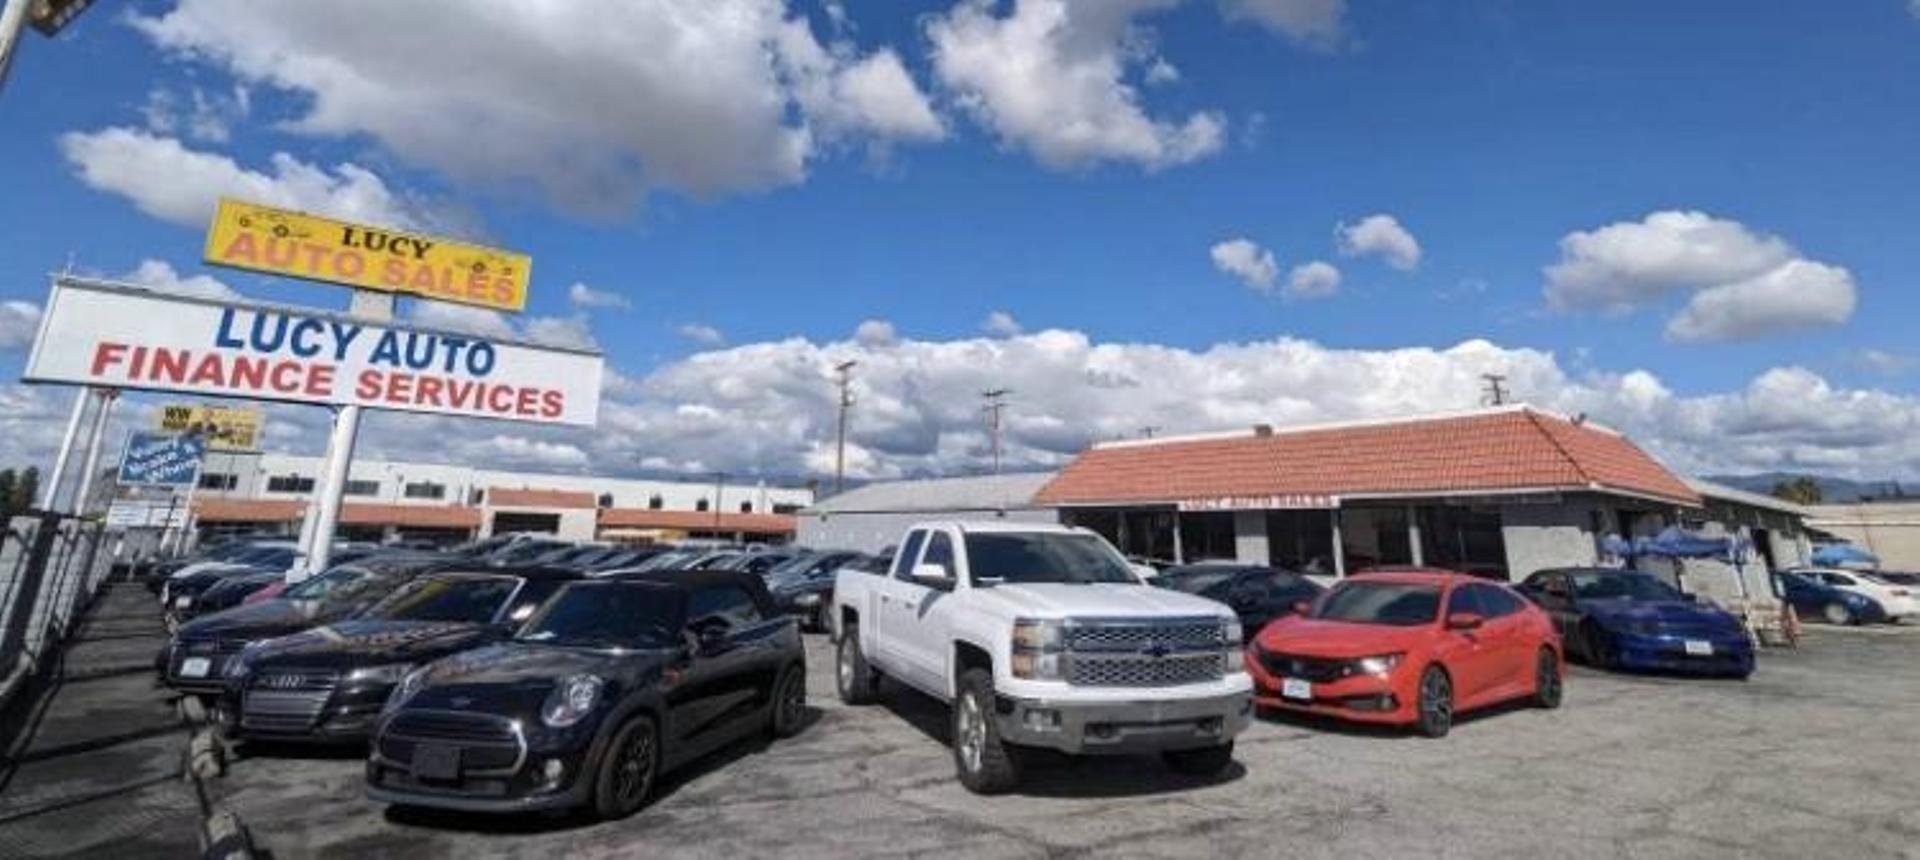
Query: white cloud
x,y
1743,284
198,115
523,452
160,275
165,179
1053,77
875,333
592,104
702,334
1884,362
1314,280
19,324
1316,23
1798,294
582,296
1001,324
1380,235
1246,260
570,331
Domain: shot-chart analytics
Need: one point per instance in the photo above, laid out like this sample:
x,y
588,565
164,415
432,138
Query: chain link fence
x,y
51,567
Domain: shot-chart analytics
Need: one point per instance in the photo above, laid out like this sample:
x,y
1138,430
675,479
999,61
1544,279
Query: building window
x,y
700,505
606,500
289,484
746,507
656,503
426,490
780,508
219,481
362,488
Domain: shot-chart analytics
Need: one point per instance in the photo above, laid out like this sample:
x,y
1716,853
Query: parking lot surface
x,y
1815,756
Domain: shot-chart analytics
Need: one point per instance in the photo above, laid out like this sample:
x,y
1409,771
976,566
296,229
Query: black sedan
x,y
1255,593
195,661
612,683
804,585
327,684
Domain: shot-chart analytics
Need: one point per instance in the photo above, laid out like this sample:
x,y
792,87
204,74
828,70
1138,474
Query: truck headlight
x,y
1036,650
388,674
570,701
1234,635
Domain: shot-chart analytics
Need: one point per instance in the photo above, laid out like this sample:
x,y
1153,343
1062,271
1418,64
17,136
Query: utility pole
x,y
1496,394
996,400
845,371
1148,431
719,487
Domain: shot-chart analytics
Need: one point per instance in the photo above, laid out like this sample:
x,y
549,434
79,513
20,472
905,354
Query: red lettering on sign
x,y
527,402
367,387
349,264
430,389
399,387
241,248
320,380
459,392
169,365
276,258
551,404
393,273
494,402
210,371
285,377
249,373
105,354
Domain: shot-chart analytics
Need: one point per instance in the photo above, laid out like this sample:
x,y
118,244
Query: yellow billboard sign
x,y
282,242
225,429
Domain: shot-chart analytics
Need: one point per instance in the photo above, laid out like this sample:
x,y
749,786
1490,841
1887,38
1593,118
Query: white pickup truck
x,y
1043,636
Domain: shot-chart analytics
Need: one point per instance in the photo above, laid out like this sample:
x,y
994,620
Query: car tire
x,y
1548,685
1434,706
984,763
823,617
1837,613
627,772
1206,761
853,675
1596,647
788,710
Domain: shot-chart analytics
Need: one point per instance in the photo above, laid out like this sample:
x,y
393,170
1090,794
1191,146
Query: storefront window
x,y
1375,537
1463,539
1206,537
1300,540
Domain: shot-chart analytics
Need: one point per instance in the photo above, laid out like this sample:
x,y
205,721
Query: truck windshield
x,y
1038,557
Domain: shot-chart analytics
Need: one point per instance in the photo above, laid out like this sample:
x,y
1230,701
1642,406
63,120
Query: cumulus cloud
x,y
1314,280
161,275
19,324
584,297
196,114
166,180
572,332
1316,23
1743,283
1055,78
1001,324
705,335
1246,260
1883,362
695,96
1380,235
875,333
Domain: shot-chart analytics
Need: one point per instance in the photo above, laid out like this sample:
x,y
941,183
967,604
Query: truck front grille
x,y
1143,671
1161,653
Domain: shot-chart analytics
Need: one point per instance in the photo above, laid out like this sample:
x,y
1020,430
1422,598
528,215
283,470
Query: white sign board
x,y
125,337
134,514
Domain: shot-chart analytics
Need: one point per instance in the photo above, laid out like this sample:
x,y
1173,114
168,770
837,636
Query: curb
x,y
223,836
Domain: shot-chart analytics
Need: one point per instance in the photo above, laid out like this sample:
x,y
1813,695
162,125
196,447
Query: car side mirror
x,y
1464,621
933,575
1302,607
705,637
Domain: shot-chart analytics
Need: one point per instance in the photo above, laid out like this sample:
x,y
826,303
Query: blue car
x,y
1812,598
1625,619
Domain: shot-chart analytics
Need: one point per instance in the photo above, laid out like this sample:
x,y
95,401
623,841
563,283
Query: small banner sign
x,y
162,460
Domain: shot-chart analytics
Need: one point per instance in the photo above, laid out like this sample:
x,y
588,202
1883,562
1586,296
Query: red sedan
x,y
1378,648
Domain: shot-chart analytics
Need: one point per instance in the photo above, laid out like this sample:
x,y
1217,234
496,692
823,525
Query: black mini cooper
x,y
327,684
611,683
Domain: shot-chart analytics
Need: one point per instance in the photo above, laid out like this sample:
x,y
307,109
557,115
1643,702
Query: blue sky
x,y
1488,131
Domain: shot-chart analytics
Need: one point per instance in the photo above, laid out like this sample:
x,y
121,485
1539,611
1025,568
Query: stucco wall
x,y
1547,535
872,532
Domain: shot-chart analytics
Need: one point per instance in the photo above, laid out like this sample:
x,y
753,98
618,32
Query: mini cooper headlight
x,y
571,700
391,673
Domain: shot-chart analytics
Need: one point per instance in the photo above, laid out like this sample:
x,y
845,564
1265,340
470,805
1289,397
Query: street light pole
x,y
996,404
719,488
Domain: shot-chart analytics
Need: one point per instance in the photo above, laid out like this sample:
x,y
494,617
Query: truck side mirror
x,y
933,575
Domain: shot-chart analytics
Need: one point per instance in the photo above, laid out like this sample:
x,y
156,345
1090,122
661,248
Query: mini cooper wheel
x,y
1837,613
1206,761
985,764
1436,703
852,674
1548,686
626,776
789,708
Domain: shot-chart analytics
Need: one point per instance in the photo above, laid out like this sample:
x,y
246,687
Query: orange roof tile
x,y
1501,450
643,518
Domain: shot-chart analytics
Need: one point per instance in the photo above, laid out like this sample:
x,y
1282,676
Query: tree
x,y
1803,490
8,478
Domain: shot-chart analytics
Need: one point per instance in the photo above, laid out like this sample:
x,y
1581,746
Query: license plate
x,y
182,602
1295,688
1697,648
436,761
195,667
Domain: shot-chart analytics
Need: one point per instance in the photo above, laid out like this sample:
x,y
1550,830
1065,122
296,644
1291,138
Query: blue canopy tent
x,y
1677,543
1843,555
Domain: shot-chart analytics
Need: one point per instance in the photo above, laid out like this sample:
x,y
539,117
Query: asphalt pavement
x,y
1817,755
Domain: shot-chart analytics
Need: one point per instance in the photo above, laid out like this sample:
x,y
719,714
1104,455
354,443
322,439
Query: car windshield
x,y
529,550
1043,557
463,599
325,584
1399,604
609,615
793,566
1620,586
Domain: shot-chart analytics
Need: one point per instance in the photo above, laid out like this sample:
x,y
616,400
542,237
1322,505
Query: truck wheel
x,y
853,676
985,764
1206,761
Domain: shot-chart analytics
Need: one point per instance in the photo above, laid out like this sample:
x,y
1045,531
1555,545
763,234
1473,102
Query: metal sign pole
x,y
13,22
108,397
323,511
50,489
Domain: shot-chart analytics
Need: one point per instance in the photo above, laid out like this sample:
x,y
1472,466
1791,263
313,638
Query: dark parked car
x,y
624,558
612,683
231,591
1256,593
803,585
195,661
156,571
327,684
1812,598
1626,619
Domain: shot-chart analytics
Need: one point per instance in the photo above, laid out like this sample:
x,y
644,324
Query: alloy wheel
x,y
630,782
1547,682
793,698
1436,702
971,736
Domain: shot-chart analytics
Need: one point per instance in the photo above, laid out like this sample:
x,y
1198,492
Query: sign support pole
x,y
50,488
323,512
13,22
95,438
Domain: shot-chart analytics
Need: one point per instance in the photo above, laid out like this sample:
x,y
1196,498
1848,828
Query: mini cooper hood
x,y
515,678
371,642
1312,637
1057,600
